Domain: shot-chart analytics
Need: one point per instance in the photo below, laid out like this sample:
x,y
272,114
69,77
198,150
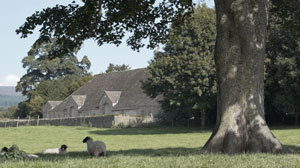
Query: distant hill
x,y
9,97
9,91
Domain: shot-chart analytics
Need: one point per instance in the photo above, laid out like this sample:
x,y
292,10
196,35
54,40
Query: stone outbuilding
x,y
109,93
48,107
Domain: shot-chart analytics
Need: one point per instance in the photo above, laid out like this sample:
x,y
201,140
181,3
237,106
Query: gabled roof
x,y
114,96
126,85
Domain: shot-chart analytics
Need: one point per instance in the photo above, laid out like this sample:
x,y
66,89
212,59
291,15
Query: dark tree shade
x,y
282,64
287,13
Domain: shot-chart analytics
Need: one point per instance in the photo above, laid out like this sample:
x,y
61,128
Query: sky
x,y
13,49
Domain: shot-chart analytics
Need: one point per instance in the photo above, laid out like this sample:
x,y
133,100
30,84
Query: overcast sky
x,y
13,49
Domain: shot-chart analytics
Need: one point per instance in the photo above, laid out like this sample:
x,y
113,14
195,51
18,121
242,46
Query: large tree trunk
x,y
240,48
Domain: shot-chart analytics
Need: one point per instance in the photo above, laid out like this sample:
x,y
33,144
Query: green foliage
x,y
8,112
105,22
22,110
15,153
287,15
41,65
184,73
282,66
117,68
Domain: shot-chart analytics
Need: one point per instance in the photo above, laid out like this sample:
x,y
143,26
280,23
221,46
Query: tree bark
x,y
239,56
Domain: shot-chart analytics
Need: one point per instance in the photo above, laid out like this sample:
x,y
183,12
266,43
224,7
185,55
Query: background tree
x,y
282,64
184,73
41,65
117,68
286,14
239,55
49,78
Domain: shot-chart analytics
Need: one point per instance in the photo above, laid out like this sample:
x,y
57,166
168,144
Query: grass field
x,y
137,148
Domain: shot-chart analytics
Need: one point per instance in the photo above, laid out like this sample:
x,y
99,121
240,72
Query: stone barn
x,y
109,93
49,106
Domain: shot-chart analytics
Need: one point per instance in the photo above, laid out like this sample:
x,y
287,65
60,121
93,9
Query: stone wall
x,y
133,121
106,121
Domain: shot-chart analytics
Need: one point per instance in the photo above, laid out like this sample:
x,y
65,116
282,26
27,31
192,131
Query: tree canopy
x,y
49,78
184,72
282,63
106,21
41,65
286,14
117,68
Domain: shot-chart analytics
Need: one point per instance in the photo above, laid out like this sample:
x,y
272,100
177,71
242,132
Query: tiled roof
x,y
122,86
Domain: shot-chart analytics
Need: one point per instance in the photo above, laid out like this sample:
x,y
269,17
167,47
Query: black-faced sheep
x,y
95,148
3,151
61,150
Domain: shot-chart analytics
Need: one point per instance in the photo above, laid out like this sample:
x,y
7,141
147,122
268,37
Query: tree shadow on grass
x,y
293,148
284,127
57,157
163,152
52,157
179,151
149,131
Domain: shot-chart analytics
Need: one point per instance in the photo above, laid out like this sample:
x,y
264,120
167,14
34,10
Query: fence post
x,y
18,121
188,123
5,124
38,120
28,121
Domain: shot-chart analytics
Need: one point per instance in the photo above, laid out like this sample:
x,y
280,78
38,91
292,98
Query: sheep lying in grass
x,y
61,150
32,155
95,148
3,151
15,152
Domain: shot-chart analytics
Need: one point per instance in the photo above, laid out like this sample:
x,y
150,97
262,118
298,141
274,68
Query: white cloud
x,y
9,80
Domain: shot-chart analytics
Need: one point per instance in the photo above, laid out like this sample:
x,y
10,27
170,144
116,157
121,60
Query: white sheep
x,y
32,155
61,150
95,148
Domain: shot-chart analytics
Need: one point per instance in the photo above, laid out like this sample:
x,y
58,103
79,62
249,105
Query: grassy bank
x,y
137,147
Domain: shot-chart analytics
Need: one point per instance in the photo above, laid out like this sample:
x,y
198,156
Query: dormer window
x,y
109,100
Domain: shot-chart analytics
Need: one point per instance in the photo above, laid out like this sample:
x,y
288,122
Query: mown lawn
x,y
137,147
